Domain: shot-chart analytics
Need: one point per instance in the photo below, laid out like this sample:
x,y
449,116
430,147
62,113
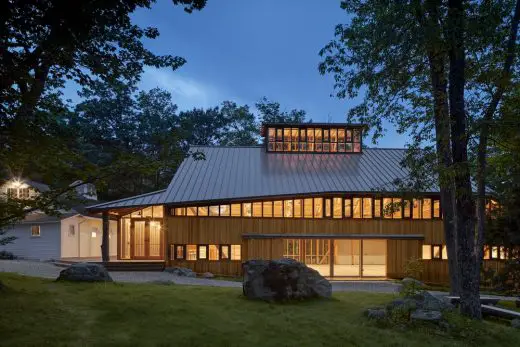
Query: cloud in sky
x,y
187,92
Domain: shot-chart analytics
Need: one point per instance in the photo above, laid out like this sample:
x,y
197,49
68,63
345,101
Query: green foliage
x,y
38,312
413,269
270,113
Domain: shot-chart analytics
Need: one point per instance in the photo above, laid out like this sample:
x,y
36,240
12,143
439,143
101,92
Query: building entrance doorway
x,y
363,258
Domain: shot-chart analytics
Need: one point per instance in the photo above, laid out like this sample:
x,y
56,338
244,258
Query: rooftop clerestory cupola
x,y
313,137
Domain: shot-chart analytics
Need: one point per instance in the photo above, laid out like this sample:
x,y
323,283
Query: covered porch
x,y
140,230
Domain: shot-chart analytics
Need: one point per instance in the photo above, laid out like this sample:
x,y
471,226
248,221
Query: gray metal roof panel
x,y
148,199
248,172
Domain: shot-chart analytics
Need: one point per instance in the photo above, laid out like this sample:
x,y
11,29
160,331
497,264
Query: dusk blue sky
x,y
243,50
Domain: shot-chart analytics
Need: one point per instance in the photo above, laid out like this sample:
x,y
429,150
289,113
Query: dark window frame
x,y
175,245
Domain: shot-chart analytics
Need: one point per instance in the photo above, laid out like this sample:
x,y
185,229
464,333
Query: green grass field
x,y
37,312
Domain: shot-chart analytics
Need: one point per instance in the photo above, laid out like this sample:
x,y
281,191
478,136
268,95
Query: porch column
x,y
105,248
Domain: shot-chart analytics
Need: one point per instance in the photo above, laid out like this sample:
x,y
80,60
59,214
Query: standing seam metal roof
x,y
229,173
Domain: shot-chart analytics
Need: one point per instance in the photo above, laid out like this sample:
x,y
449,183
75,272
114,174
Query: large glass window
x,y
235,210
213,252
191,252
288,208
318,207
257,209
236,252
348,208
307,208
356,211
247,209
278,208
337,207
367,207
268,209
298,208
427,209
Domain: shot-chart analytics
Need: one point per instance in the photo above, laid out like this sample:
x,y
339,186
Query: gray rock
x,y
515,323
426,301
207,275
376,313
85,272
180,271
403,304
426,316
284,279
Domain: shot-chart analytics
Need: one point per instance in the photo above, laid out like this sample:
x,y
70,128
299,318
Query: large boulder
x,y
515,323
180,271
85,272
281,280
426,316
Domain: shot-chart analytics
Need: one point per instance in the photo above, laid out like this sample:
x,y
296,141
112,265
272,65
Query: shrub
x,y
413,269
7,255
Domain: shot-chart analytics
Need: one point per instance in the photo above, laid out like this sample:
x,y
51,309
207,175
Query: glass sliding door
x,y
125,238
139,239
347,258
154,244
374,258
317,256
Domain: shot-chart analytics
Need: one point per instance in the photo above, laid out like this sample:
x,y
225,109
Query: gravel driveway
x,y
48,270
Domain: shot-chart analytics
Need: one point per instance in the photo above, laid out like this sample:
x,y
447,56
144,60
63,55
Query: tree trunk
x,y
464,206
436,59
484,135
105,246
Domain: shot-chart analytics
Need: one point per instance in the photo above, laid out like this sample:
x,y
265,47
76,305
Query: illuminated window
x,y
377,208
288,208
326,135
213,210
191,211
444,252
236,252
191,252
437,252
307,208
328,208
271,134
213,252
337,207
318,207
487,252
268,208
310,135
147,212
436,209
224,210
348,137
503,252
203,252
298,208
417,209
318,147
397,205
348,207
180,211
387,207
341,135
202,211
357,135
427,209
367,207
278,208
303,136
286,135
426,251
294,135
356,207
158,211
257,209
494,252
246,209
179,251
279,135
235,210
318,135
333,135
406,209
35,231
224,252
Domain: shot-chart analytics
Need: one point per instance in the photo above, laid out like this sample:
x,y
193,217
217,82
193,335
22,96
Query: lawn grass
x,y
38,312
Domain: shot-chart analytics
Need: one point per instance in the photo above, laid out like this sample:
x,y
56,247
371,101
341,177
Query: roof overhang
x,y
336,236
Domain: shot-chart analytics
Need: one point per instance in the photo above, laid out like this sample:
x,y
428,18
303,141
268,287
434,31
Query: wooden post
x,y
105,247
